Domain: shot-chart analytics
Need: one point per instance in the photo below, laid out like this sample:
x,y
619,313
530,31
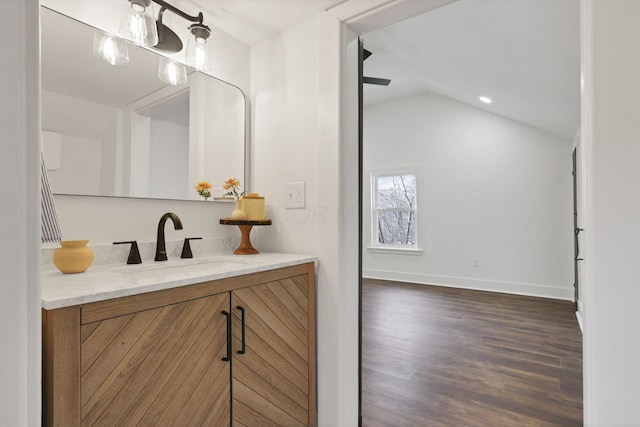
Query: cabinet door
x,y
158,367
271,379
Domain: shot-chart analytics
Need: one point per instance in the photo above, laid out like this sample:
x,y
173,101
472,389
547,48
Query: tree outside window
x,y
394,209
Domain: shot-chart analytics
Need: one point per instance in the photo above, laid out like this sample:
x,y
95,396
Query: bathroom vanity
x,y
206,342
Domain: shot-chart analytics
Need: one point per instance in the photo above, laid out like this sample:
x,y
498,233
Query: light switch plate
x,y
296,195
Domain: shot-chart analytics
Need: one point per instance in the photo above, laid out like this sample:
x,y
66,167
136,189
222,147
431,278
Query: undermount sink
x,y
182,266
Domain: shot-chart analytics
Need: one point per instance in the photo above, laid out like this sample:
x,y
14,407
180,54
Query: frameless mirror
x,y
121,131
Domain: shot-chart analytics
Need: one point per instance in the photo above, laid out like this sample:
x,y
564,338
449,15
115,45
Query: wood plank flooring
x,y
434,356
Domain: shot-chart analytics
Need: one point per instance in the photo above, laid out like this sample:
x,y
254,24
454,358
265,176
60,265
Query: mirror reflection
x,y
118,130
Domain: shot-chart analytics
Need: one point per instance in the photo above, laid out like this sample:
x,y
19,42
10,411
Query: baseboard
x,y
529,289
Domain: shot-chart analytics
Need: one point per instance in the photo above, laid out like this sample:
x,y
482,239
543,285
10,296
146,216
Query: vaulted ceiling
x,y
523,54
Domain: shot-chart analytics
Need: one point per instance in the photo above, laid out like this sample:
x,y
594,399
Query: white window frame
x,y
393,248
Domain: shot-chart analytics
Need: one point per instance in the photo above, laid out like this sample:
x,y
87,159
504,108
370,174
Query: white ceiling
x,y
523,54
251,21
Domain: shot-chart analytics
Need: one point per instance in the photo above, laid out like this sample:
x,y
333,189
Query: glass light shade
x,y
172,72
138,24
110,49
199,53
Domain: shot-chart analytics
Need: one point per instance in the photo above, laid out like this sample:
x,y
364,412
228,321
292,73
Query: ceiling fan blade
x,y
367,53
376,81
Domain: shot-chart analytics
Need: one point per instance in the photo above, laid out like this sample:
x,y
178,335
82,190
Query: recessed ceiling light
x,y
485,99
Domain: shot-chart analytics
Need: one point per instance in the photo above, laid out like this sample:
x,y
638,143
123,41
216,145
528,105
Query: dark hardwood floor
x,y
434,356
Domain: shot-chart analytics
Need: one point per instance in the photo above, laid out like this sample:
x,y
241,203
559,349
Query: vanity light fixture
x,y
110,49
485,99
198,53
139,26
138,23
172,72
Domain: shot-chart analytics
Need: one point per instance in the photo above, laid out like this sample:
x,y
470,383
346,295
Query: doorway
x,y
568,291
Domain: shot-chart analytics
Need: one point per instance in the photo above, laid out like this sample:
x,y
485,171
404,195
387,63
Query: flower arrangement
x,y
232,186
203,188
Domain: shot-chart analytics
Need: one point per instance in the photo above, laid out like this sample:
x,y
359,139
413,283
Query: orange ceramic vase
x,y
73,256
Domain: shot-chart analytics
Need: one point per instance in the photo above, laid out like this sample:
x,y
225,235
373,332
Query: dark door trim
x,y
360,212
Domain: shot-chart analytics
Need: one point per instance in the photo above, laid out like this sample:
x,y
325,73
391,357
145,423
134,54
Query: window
x,y
394,213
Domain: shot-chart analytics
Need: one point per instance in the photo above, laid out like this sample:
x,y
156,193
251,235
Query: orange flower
x,y
231,182
202,186
232,186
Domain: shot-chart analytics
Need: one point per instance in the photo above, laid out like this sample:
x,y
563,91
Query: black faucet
x,y
161,251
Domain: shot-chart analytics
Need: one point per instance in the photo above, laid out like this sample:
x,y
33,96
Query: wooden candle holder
x,y
245,248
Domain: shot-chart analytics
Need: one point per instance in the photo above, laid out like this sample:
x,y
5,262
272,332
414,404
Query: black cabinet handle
x,y
244,347
228,357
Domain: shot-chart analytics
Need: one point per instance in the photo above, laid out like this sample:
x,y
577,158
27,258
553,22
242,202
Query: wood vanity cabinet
x,y
237,351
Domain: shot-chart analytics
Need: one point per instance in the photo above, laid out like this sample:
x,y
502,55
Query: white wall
x,y
20,224
77,117
86,130
610,133
80,157
169,160
216,118
104,220
297,107
489,188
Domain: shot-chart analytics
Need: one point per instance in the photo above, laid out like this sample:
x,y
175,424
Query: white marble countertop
x,y
104,282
